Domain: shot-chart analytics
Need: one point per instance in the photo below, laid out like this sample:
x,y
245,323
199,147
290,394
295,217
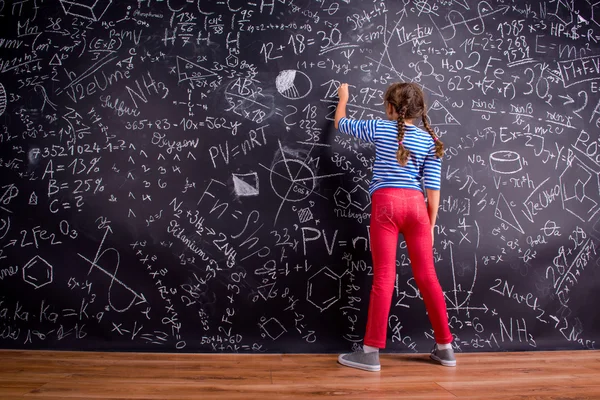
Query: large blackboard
x,y
171,179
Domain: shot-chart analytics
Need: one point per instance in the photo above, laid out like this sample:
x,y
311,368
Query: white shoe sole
x,y
443,362
364,367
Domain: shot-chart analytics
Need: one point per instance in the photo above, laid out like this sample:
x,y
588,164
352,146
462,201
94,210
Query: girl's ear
x,y
389,110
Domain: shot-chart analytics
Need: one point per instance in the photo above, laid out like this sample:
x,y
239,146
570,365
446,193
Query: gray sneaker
x,y
444,357
361,360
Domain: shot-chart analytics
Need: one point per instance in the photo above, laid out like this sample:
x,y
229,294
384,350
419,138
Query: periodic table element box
x,y
89,9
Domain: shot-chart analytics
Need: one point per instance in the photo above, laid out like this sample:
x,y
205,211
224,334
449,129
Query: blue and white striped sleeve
x,y
432,170
362,129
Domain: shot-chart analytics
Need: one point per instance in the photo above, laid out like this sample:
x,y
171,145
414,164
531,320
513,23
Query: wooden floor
x,y
77,375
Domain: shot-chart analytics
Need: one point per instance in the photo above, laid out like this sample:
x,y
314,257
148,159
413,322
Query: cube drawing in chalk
x,y
89,9
245,184
37,272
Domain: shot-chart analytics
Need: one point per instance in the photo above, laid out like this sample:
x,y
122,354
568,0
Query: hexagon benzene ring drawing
x,y
342,198
357,197
596,13
579,187
318,289
360,198
38,272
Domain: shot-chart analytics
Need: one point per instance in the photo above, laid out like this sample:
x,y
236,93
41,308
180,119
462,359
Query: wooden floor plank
x,y
419,368
28,376
19,388
536,385
512,396
110,389
139,376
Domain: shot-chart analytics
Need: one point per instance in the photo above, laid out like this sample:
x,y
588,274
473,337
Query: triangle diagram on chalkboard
x,y
187,70
126,61
504,213
439,115
265,290
55,60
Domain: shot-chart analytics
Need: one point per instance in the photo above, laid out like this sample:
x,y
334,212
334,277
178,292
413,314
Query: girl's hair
x,y
408,101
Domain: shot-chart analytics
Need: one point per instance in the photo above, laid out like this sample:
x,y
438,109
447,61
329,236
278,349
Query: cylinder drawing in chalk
x,y
505,162
2,99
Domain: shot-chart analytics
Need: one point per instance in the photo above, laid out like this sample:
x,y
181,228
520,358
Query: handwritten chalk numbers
x,y
341,162
457,83
513,28
54,25
309,124
386,78
578,237
160,124
541,85
14,97
330,40
79,166
267,50
311,111
298,43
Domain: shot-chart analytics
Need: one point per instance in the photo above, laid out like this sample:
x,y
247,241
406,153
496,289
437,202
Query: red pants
x,y
395,211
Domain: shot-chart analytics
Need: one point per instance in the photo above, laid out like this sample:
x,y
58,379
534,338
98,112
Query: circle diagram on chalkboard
x,y
293,179
2,99
293,84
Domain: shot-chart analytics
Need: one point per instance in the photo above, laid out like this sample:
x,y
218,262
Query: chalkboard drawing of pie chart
x,y
505,162
293,84
292,180
2,99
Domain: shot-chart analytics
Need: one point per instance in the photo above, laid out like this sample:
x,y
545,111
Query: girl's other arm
x,y
432,175
433,203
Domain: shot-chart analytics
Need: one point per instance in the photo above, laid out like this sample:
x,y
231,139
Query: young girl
x,y
405,157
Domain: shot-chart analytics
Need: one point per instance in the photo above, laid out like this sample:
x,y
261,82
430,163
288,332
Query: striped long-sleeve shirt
x,y
423,166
